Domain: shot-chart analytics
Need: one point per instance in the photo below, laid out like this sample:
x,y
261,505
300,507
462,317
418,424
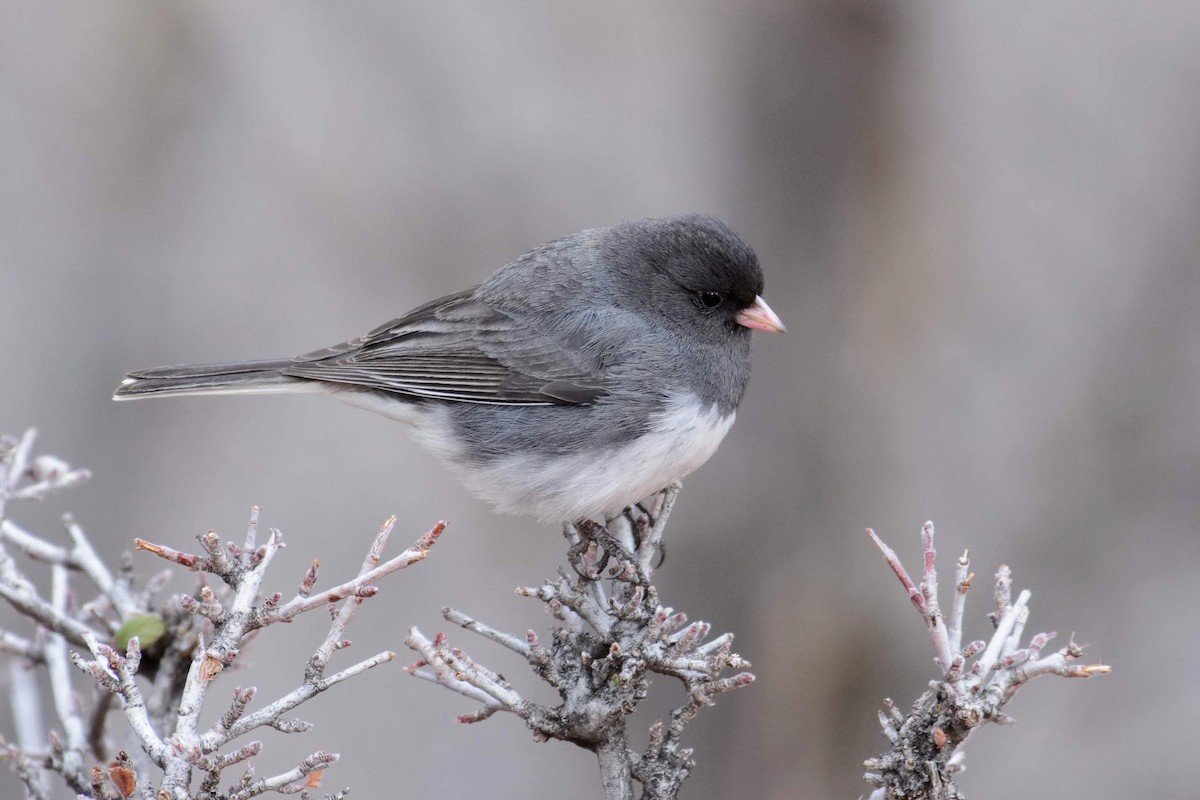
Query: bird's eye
x,y
710,299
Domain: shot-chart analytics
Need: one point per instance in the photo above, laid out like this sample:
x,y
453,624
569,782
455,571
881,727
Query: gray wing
x,y
459,349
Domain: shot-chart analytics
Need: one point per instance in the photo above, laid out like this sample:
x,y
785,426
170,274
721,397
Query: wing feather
x,y
461,350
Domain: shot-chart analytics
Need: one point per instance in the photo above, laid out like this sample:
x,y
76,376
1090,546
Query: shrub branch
x,y
926,742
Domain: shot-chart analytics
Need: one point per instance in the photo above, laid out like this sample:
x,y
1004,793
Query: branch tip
x,y
962,699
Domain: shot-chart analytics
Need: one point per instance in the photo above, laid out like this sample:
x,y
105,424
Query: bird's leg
x,y
584,555
627,569
641,519
647,515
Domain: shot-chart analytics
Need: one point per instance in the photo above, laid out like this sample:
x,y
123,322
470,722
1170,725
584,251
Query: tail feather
x,y
244,377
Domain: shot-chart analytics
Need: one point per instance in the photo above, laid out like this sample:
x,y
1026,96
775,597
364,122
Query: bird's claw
x,y
604,546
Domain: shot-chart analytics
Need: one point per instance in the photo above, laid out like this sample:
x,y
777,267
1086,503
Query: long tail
x,y
244,377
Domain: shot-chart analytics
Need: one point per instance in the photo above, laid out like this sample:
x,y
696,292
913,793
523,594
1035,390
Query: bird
x,y
587,375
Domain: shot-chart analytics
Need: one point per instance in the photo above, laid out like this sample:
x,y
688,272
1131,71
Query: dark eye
x,y
710,299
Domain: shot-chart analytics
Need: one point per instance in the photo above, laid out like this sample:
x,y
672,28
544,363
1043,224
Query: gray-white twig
x,y
600,658
926,742
157,662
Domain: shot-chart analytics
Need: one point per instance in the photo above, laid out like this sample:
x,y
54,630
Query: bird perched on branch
x,y
577,380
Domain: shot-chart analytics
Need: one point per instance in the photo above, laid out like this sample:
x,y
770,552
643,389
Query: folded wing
x,y
458,349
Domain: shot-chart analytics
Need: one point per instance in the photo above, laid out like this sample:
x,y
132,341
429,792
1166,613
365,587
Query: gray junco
x,y
577,380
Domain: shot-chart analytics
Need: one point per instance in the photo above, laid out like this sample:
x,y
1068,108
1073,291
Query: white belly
x,y
562,488
566,488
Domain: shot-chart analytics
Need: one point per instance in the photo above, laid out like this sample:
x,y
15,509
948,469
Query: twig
x,y
58,665
926,754
180,648
18,591
599,660
28,719
13,644
361,585
115,672
280,783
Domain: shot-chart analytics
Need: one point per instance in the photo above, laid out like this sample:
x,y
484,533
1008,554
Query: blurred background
x,y
980,223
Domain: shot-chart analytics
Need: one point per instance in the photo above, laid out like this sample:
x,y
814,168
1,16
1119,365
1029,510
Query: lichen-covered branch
x,y
159,662
600,657
926,742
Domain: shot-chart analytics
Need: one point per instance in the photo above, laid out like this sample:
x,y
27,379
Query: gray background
x,y
979,221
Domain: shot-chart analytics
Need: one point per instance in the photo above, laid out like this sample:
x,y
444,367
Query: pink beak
x,y
760,317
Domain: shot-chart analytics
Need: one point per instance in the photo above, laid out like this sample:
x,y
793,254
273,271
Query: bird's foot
x,y
597,546
642,518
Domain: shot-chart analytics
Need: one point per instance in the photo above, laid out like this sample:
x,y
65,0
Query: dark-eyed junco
x,y
577,380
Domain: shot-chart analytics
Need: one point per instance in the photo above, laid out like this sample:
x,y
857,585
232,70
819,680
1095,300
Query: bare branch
x,y
280,783
19,592
16,645
115,673
509,641
962,584
189,641
57,663
926,754
360,586
600,659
